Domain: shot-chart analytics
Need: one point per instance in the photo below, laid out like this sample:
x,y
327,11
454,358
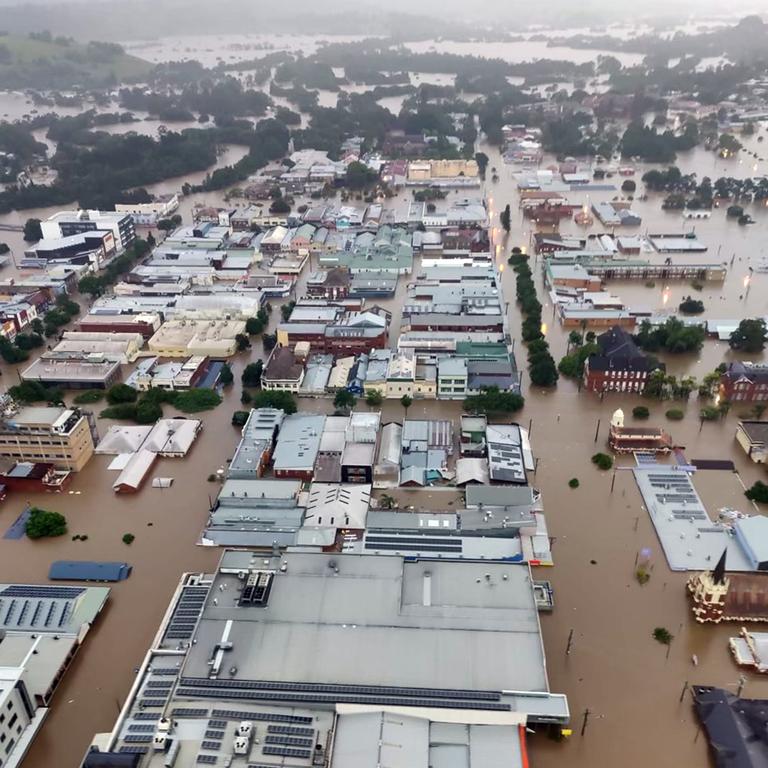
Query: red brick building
x,y
745,383
619,366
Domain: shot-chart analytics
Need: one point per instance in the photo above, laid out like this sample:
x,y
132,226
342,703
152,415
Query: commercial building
x,y
73,370
619,366
389,683
148,214
282,371
298,444
121,347
145,323
752,436
744,382
185,337
508,454
172,375
92,248
41,630
645,439
257,442
329,284
68,223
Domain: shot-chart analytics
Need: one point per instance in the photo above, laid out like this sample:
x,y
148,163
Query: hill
x,y
42,62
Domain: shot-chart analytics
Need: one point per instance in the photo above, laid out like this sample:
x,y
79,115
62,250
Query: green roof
x,y
481,349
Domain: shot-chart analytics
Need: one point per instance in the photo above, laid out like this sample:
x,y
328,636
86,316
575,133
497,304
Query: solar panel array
x,y
291,730
35,612
50,593
189,712
214,734
137,738
133,750
322,698
207,759
360,690
304,754
141,728
276,717
182,623
214,745
289,741
146,716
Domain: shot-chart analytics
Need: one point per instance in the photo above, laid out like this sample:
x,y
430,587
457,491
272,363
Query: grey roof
x,y
505,453
498,495
367,625
298,442
257,437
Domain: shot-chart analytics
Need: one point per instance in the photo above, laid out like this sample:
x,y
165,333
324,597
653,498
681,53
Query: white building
x,y
148,214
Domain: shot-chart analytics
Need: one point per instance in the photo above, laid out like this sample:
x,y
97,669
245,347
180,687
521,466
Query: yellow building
x,y
185,337
61,436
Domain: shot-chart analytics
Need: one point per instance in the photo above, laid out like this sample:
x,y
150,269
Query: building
x,y
68,223
185,337
91,248
744,382
298,444
388,683
73,371
148,214
619,366
145,323
643,439
329,284
122,347
720,595
172,375
42,628
282,371
257,442
752,436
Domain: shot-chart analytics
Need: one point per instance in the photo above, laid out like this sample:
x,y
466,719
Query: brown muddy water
x,y
616,669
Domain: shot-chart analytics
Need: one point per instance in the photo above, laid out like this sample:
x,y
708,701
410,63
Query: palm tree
x,y
758,410
387,501
406,401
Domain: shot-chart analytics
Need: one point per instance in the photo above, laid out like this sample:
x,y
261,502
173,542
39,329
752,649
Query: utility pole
x,y
570,643
597,429
587,713
685,688
613,480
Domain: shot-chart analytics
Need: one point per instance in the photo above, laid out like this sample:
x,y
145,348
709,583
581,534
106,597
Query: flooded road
x,y
615,670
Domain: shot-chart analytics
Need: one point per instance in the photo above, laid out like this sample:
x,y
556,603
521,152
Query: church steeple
x,y
718,574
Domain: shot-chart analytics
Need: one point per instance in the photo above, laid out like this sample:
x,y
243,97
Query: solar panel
x,y
35,615
290,741
304,754
214,734
145,716
141,728
159,683
276,717
360,690
133,750
207,759
291,730
214,745
22,590
165,671
151,702
137,738
217,723
188,712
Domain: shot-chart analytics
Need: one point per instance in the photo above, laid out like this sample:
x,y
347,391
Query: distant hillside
x,y
42,62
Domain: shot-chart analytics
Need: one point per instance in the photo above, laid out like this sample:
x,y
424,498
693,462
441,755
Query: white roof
x,y
133,474
122,439
172,436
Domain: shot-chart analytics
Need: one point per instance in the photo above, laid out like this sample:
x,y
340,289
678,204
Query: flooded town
x,y
384,400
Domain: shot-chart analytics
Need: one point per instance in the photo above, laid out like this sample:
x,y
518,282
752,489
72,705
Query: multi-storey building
x,y
744,382
61,436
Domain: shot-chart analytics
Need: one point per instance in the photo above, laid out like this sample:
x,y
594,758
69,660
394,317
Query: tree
x,y
128,538
43,523
121,393
358,175
406,401
387,502
279,206
286,310
269,341
758,492
662,635
148,412
275,398
628,186
32,231
673,336
675,414
196,400
493,400
254,326
505,217
482,163
750,336
251,376
574,339
4,248
226,377
734,212
543,372
242,342
92,285
691,306
344,400
640,412
602,461
374,398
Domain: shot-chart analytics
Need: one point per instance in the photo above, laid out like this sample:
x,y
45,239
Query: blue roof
x,y
88,570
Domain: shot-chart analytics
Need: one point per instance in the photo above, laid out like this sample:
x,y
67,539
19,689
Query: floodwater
x,y
616,670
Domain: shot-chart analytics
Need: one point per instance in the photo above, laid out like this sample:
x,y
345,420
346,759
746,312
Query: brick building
x,y
619,366
744,382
